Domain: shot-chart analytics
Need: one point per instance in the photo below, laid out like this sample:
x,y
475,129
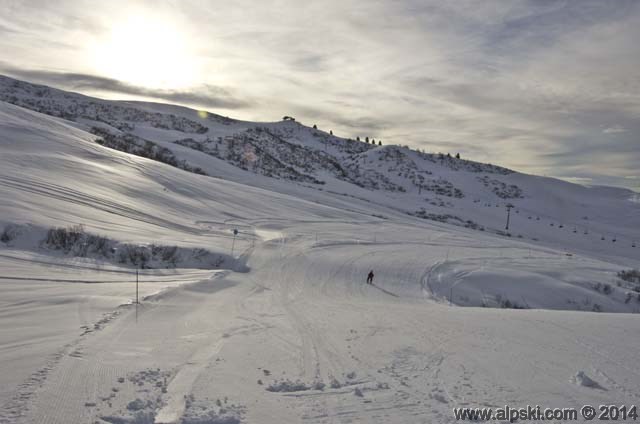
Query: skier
x,y
370,277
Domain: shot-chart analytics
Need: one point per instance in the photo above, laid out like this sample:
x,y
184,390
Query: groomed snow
x,y
295,334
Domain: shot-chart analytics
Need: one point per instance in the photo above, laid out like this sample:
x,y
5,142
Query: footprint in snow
x,y
439,398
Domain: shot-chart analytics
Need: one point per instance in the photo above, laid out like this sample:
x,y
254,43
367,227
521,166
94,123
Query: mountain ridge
x,y
432,186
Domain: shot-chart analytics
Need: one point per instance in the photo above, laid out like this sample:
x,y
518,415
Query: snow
x,y
286,330
582,379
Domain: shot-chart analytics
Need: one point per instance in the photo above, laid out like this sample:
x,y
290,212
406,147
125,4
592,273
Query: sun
x,y
148,51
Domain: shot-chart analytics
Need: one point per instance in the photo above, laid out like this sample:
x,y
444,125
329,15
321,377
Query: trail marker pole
x,y
233,243
137,286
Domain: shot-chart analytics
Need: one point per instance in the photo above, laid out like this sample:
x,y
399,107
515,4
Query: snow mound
x,y
545,282
138,418
76,242
212,418
582,379
205,411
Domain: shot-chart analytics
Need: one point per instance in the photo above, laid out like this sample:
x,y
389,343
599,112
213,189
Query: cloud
x,y
310,62
614,130
6,30
546,87
206,96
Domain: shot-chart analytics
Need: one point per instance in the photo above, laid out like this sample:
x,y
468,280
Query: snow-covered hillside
x,y
276,324
431,186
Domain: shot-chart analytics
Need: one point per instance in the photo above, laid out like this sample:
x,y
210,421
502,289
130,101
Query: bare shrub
x,y
9,233
630,275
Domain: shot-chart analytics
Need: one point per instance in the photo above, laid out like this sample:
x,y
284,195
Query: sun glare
x,y
147,51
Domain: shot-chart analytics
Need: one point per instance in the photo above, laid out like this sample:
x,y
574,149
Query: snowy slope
x,y
287,331
432,186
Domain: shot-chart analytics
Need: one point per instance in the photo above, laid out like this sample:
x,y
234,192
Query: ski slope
x,y
288,157
286,330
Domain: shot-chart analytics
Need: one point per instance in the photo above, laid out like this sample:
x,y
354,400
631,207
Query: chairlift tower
x,y
509,207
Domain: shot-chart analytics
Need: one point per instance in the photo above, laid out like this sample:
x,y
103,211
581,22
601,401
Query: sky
x,y
544,87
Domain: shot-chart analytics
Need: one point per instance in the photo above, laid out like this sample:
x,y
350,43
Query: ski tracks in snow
x,y
95,375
